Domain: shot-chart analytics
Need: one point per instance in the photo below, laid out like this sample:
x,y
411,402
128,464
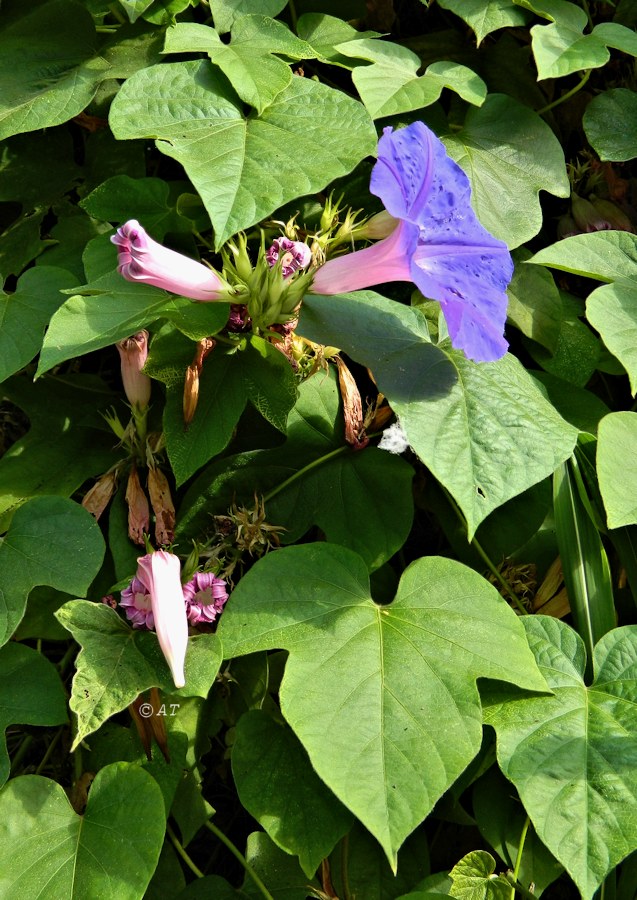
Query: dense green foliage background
x,y
424,681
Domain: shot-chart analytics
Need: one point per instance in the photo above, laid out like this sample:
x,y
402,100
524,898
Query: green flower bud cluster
x,y
271,298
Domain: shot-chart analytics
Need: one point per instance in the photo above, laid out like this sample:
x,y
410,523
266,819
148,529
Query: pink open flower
x,y
205,595
294,255
137,605
140,258
160,574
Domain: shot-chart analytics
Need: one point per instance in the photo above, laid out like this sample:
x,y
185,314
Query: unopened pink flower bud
x,y
133,352
141,258
378,227
587,218
159,573
294,255
138,509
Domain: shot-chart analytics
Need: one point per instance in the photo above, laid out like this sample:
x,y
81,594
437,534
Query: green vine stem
x,y
487,560
301,472
567,96
180,850
518,858
244,862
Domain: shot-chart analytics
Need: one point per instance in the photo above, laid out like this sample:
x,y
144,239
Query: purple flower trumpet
x,y
439,244
140,258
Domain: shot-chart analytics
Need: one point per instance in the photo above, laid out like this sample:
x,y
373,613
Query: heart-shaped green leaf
x,y
510,154
486,16
47,850
269,765
57,79
612,309
251,60
31,693
111,308
391,85
25,314
244,169
605,120
51,541
353,664
617,467
117,663
65,445
499,433
573,756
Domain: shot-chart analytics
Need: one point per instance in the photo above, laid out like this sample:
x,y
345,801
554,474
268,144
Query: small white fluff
x,y
394,439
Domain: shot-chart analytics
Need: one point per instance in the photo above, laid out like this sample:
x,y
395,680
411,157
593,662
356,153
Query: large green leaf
x,y
117,663
25,314
59,75
51,541
47,850
120,198
248,61
562,48
226,12
499,433
391,86
486,16
270,767
65,445
573,756
257,372
535,305
244,169
325,33
111,308
31,693
510,155
609,256
605,121
617,467
361,500
353,665
313,479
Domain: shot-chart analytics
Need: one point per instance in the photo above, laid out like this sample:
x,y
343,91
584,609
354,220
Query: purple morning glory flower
x,y
438,243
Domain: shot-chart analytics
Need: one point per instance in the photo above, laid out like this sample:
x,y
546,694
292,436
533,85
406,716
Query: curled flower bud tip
x,y
140,258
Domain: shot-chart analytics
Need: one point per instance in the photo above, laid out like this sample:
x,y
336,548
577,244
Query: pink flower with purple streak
x,y
294,255
138,605
205,595
439,244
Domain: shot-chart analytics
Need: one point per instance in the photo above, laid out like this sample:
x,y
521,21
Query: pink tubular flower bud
x,y
205,595
133,352
294,255
159,573
141,258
